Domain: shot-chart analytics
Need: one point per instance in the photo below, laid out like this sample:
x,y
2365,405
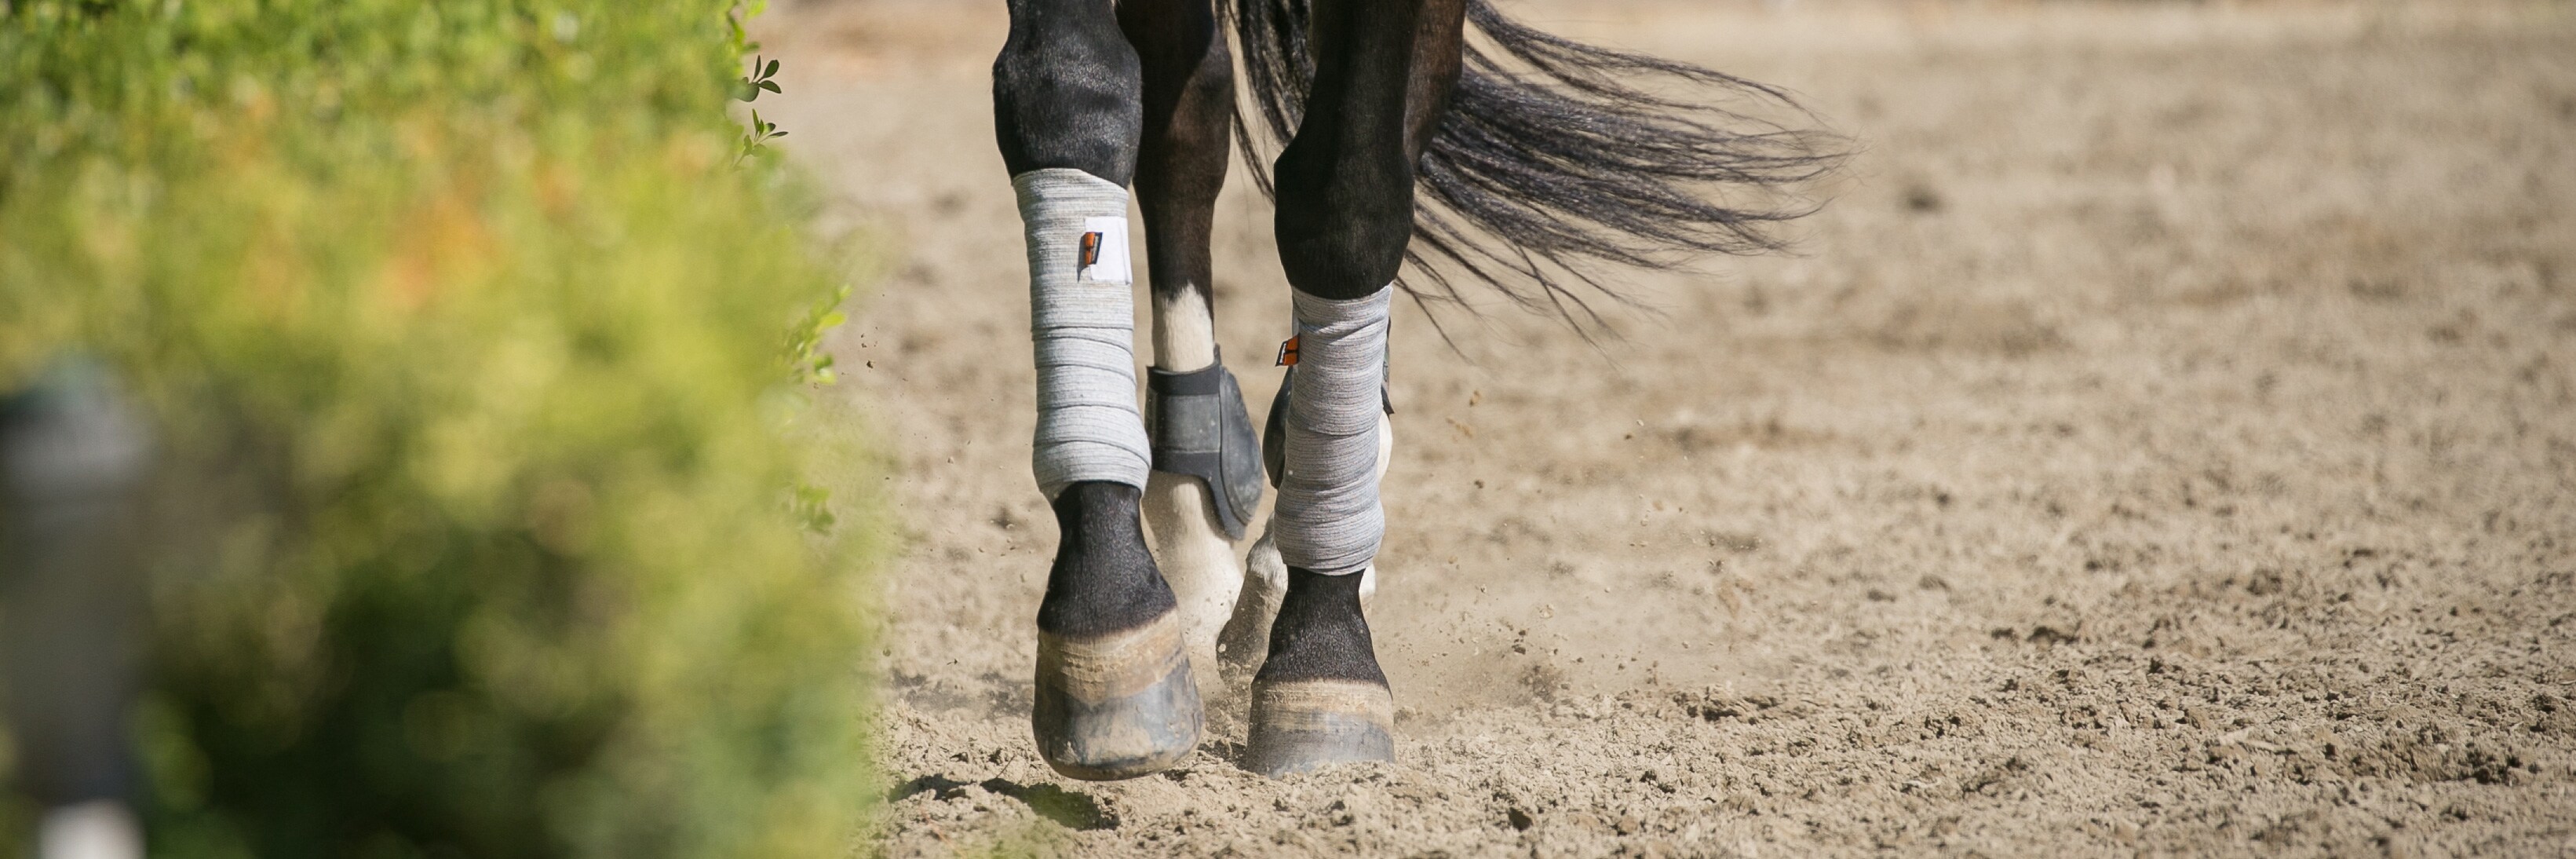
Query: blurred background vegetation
x,y
475,355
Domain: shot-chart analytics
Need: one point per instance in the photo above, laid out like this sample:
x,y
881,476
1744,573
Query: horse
x,y
1423,147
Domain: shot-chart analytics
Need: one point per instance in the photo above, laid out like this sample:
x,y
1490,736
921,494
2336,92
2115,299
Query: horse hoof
x,y
1301,725
1116,706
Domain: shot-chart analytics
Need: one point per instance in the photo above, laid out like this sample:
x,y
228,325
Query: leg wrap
x,y
1082,317
1328,516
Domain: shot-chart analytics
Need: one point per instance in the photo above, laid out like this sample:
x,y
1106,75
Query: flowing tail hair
x,y
1555,157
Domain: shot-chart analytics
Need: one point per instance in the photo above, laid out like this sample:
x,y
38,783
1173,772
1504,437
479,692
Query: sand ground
x,y
2165,443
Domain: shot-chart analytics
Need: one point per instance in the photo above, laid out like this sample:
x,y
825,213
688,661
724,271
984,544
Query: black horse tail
x,y
1557,156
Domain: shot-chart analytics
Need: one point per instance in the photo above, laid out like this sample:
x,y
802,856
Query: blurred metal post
x,y
73,458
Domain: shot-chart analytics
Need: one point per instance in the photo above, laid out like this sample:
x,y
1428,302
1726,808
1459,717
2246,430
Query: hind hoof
x,y
1116,706
1301,725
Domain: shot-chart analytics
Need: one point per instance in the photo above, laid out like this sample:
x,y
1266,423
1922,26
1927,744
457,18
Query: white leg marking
x,y
1246,640
1188,545
1194,555
1184,331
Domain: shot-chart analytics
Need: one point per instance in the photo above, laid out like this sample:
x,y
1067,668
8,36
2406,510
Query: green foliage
x,y
763,77
463,333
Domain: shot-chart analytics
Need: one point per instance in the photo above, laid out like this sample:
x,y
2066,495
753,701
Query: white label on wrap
x,y
1104,252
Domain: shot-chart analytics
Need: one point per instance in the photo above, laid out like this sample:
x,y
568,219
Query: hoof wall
x,y
1116,706
1301,725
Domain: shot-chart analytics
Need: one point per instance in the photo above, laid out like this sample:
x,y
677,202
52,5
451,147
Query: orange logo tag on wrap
x,y
1288,352
1102,255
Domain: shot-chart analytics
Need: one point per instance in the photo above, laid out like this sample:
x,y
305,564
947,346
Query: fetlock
x,y
1103,579
1114,694
1206,483
1320,632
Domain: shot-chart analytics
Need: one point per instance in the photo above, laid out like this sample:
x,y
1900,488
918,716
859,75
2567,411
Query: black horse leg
x,y
1066,90
1384,71
1207,477
1188,101
1114,696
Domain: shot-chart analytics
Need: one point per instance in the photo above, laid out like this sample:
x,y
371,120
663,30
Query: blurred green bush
x,y
474,356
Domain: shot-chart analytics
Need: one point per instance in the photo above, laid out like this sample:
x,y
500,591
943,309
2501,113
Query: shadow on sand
x,y
1077,811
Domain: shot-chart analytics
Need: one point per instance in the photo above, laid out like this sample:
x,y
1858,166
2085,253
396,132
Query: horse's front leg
x,y
1207,469
1345,190
1114,693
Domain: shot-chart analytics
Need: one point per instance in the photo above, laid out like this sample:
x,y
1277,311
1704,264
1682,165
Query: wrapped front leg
x,y
1082,323
1329,519
1114,693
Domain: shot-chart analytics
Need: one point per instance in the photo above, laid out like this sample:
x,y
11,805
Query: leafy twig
x,y
764,74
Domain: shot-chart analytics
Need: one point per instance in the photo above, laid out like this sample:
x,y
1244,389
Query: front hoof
x,y
1116,706
1300,725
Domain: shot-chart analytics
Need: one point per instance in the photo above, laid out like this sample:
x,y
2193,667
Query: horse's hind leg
x,y
1384,69
1207,470
1114,694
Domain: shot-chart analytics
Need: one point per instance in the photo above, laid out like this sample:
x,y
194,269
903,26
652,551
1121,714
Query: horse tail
x,y
1556,157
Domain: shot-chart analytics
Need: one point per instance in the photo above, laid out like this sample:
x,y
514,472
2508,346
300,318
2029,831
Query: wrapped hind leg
x,y
1206,481
1206,484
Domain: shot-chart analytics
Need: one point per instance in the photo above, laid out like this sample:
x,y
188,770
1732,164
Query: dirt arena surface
x,y
2166,443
